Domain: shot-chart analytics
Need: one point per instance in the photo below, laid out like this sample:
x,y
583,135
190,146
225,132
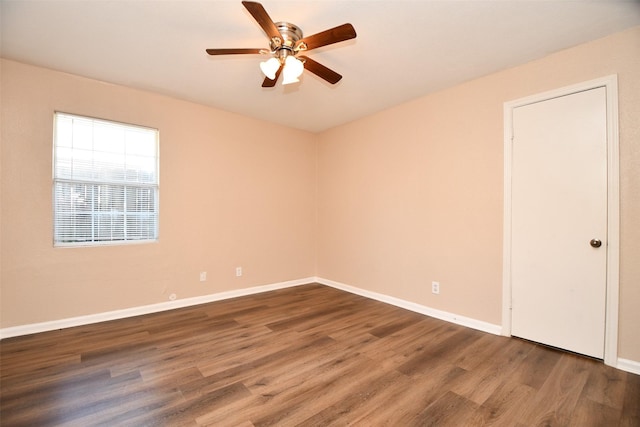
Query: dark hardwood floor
x,y
309,355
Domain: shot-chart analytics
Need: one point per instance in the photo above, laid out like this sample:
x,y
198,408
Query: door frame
x,y
610,83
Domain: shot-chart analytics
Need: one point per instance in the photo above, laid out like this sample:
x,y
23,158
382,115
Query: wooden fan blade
x,y
271,83
234,51
262,18
320,70
333,35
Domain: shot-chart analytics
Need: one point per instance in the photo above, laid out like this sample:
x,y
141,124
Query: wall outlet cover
x,y
435,287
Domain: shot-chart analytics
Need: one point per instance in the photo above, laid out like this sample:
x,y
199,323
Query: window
x,y
105,182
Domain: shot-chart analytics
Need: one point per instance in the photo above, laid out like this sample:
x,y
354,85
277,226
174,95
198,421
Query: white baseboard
x,y
146,309
629,366
418,308
623,364
170,305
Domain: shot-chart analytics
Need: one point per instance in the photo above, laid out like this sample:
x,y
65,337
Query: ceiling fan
x,y
287,46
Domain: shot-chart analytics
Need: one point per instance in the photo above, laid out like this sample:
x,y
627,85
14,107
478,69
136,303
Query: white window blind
x,y
105,182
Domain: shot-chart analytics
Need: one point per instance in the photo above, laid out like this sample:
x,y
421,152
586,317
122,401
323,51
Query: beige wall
x,y
414,194
228,197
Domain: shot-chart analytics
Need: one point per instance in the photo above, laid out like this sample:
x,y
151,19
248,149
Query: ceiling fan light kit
x,y
270,67
293,69
286,42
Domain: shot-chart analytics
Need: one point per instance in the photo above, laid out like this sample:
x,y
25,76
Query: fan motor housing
x,y
290,34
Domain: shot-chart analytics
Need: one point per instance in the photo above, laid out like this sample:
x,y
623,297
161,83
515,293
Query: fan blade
x,y
271,83
333,35
235,51
262,18
320,70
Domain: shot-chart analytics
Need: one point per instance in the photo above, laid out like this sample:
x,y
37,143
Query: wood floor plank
x,y
605,385
556,400
308,355
329,385
631,405
539,362
261,367
477,353
593,414
482,382
450,409
363,398
440,350
285,402
409,402
505,405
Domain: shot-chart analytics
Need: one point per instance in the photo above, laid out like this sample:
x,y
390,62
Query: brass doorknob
x,y
596,243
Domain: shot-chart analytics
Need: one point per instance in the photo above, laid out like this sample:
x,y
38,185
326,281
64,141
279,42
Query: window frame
x,y
125,186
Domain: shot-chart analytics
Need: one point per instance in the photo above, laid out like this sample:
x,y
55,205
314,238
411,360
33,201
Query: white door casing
x,y
560,300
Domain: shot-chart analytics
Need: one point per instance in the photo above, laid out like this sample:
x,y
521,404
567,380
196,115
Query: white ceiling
x,y
404,49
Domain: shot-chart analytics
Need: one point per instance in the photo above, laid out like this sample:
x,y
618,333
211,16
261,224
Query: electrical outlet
x,y
238,271
435,287
203,276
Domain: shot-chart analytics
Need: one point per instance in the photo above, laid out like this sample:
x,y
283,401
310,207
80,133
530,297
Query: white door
x,y
558,216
